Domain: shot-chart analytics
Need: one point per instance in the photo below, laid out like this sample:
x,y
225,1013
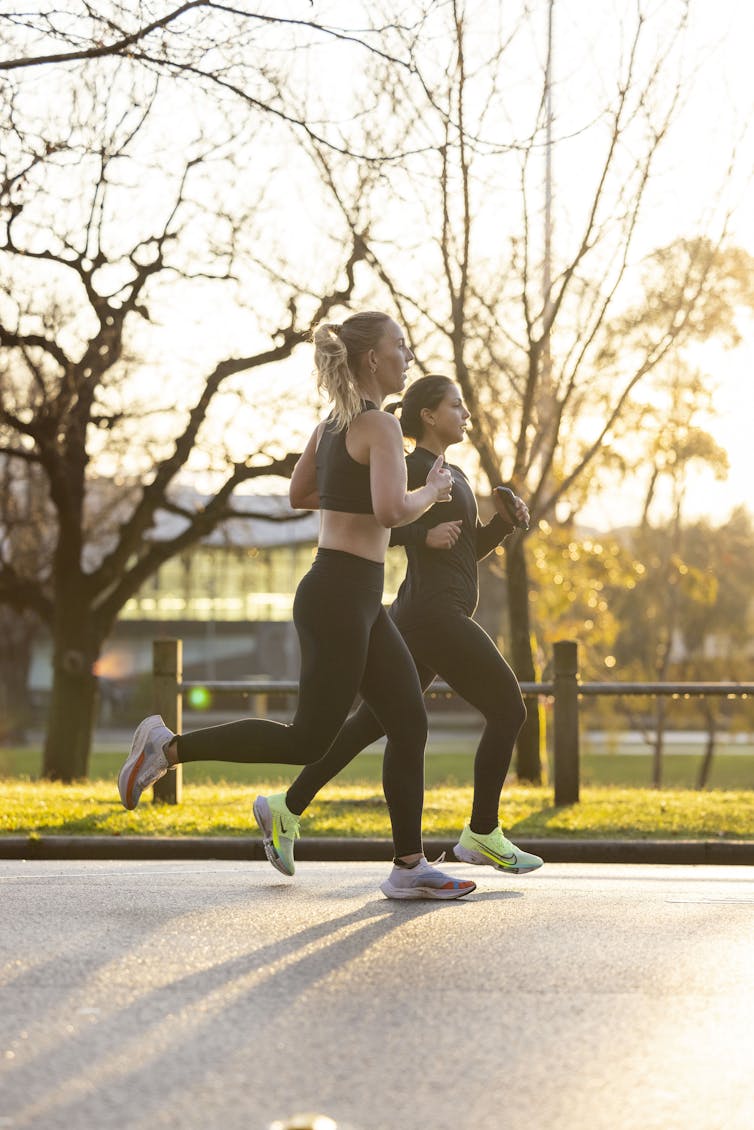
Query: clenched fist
x,y
444,536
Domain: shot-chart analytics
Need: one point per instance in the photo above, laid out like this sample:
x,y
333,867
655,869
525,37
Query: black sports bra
x,y
343,484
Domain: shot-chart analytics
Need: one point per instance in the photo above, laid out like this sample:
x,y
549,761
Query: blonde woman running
x,y
433,612
353,470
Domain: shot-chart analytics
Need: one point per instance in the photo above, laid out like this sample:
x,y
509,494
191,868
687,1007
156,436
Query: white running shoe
x,y
146,762
424,882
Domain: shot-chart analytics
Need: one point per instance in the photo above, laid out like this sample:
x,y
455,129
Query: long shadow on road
x,y
202,1018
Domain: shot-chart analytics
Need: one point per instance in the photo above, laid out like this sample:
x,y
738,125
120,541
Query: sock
x,y
292,810
479,832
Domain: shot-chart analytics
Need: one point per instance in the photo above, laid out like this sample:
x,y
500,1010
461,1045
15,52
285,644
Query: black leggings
x,y
460,651
348,645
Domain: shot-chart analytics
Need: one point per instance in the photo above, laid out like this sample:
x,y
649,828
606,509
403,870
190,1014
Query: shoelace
x,y
505,844
439,876
424,862
496,839
428,863
152,768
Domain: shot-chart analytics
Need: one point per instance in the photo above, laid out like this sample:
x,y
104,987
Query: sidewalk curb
x,y
721,852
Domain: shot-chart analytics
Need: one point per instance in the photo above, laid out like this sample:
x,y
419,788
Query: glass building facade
x,y
233,583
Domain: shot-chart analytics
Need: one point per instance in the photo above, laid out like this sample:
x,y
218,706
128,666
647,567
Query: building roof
x,y
264,520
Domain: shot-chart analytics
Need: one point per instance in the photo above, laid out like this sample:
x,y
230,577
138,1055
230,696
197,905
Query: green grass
x,y
729,770
356,807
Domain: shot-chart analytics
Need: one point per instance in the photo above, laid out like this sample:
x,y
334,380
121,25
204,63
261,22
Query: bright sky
x,y
719,102
718,98
723,108
718,108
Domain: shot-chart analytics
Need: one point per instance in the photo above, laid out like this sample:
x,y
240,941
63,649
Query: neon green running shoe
x,y
496,851
280,829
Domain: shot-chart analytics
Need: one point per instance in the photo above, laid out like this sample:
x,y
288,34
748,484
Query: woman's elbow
x,y
389,516
299,498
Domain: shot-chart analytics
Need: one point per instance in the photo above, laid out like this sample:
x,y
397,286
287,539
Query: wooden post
x,y
167,668
566,722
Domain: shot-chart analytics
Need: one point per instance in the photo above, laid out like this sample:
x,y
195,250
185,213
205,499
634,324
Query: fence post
x,y
566,722
167,669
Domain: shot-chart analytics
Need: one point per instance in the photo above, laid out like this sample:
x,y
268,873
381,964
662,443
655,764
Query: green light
x,y
199,698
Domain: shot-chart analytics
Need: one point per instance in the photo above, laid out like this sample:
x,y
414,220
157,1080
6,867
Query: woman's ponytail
x,y
338,349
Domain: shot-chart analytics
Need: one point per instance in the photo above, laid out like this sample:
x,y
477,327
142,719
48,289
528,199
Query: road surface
x,y
220,995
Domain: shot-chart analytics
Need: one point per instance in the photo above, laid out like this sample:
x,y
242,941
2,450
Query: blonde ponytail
x,y
337,353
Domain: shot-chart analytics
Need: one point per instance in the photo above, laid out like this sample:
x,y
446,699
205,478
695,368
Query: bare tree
x,y
549,339
674,445
240,55
22,525
110,248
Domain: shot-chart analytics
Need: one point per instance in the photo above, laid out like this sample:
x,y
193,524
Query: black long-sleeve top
x,y
438,578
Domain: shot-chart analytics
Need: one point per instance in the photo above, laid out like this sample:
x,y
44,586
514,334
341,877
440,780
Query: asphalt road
x,y
219,995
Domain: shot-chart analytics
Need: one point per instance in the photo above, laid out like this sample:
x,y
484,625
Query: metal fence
x,y
565,689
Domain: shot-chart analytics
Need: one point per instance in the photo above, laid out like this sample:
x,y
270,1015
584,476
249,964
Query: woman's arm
x,y
413,533
512,512
424,532
489,536
443,536
302,492
393,503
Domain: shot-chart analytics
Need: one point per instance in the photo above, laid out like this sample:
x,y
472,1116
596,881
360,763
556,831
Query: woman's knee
x,y
410,728
520,712
311,756
309,743
507,714
419,729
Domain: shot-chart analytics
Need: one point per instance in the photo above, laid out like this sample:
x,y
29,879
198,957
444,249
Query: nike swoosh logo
x,y
508,860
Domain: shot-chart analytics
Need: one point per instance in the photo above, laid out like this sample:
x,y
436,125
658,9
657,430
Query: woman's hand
x,y
440,480
444,536
510,507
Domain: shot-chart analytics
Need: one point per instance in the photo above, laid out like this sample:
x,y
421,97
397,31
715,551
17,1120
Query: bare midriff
x,y
360,534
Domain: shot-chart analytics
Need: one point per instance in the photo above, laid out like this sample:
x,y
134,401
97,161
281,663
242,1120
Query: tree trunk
x,y
709,751
76,648
18,631
528,757
659,742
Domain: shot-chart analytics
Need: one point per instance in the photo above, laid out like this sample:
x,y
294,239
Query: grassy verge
x,y
616,801
454,767
39,808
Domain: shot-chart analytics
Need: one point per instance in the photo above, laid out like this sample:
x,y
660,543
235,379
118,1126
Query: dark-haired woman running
x,y
433,611
353,469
